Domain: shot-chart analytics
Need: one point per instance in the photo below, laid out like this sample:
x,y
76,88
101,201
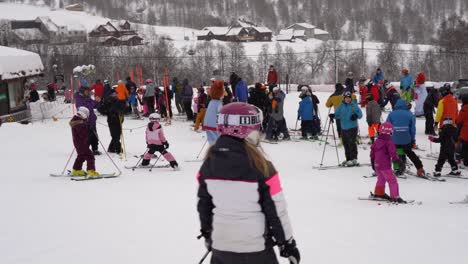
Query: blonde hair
x,y
256,157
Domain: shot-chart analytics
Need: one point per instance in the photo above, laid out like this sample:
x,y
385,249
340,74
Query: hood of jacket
x,y
401,105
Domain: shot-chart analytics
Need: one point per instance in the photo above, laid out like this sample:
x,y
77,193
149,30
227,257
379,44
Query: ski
x,y
376,199
455,176
427,176
459,202
194,160
102,176
375,175
339,166
147,167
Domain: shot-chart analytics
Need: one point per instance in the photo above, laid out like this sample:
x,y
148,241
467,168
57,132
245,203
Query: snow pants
x,y
149,102
307,126
179,105
160,148
373,130
403,151
349,143
447,152
407,96
188,110
84,155
429,115
266,256
464,152
93,137
383,177
200,118
421,93
115,128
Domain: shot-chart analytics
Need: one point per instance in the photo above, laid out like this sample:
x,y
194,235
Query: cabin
x,y
239,31
16,67
307,28
302,31
115,34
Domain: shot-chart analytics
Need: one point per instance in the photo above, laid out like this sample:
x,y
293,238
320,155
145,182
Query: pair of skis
x,y
372,197
339,166
86,178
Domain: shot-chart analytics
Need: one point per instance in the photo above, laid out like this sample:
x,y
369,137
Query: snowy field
x,y
144,217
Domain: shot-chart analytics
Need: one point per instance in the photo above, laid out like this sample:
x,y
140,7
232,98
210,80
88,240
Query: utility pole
x,y
363,59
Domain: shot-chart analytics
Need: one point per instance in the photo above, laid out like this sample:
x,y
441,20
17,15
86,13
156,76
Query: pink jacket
x,y
383,151
155,134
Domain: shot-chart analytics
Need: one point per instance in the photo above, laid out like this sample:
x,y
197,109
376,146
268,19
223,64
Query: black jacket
x,y
431,102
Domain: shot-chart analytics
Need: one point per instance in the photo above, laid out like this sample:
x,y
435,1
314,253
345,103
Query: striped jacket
x,y
242,210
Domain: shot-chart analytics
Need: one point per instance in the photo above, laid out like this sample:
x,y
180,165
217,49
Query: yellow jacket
x,y
336,99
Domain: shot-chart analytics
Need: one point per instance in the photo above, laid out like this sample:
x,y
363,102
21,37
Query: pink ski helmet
x,y
239,120
386,128
149,81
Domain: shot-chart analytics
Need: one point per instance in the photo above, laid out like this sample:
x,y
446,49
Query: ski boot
x,y
382,196
79,173
398,200
354,163
455,173
314,138
344,163
421,173
93,174
96,152
437,174
174,165
145,163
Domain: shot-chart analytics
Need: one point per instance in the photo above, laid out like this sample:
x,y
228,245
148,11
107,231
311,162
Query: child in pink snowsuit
x,y
156,141
383,151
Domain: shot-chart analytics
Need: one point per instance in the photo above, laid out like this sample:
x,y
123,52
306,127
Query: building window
x,y
15,94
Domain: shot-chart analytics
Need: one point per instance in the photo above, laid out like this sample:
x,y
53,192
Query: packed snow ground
x,y
144,217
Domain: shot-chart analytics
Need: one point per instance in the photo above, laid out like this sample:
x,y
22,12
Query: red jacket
x,y
363,93
374,90
98,89
421,79
272,77
462,120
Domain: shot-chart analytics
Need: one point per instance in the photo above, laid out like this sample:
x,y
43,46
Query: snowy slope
x,y
145,217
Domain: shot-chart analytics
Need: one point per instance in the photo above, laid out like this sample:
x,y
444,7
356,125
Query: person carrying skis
x,y
406,82
429,109
201,106
349,112
420,94
241,205
404,127
83,98
80,134
382,153
373,115
448,135
214,106
306,113
156,141
447,107
462,123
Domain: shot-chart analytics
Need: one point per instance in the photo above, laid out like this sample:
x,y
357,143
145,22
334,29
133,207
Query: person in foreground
x,y
241,205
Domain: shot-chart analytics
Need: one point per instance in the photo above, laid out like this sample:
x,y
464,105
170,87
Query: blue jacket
x,y
306,109
404,124
406,82
344,113
377,77
241,92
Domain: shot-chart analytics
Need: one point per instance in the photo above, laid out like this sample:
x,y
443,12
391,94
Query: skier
x,y
447,107
51,90
107,91
276,122
227,94
187,96
335,100
317,123
156,141
363,92
349,83
177,90
115,118
148,97
349,112
447,139
406,82
272,78
382,154
404,125
391,95
133,102
241,205
83,98
209,124
373,115
429,105
462,123
241,91
201,106
80,140
420,94
305,113
259,98
379,75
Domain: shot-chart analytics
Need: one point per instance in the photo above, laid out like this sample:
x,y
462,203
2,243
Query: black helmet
x,y
446,89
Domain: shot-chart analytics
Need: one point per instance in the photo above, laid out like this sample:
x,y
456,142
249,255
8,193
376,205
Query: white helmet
x,y
83,112
154,117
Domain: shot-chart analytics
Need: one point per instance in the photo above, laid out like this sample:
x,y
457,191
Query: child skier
x,y
79,127
157,142
447,138
373,114
215,104
305,113
241,206
383,152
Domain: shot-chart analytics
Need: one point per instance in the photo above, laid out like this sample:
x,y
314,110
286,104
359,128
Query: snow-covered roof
x,y
48,23
263,29
234,31
203,33
29,34
285,35
304,25
16,63
318,31
299,33
245,24
218,31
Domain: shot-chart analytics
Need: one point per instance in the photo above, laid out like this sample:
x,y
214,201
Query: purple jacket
x,y
383,151
79,133
82,100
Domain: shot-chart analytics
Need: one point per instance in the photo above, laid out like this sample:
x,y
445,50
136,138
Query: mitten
x,y
166,145
354,117
289,250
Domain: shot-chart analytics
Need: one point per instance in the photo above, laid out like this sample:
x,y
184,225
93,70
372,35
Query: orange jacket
x,y
122,92
462,120
447,108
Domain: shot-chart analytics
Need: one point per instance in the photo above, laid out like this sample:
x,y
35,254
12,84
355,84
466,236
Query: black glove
x,y
207,236
289,250
332,116
353,117
166,145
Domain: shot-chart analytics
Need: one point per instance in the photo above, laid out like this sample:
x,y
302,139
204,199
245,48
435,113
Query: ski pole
x,y
154,164
326,142
108,155
124,150
336,146
141,157
68,161
326,121
205,256
201,149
